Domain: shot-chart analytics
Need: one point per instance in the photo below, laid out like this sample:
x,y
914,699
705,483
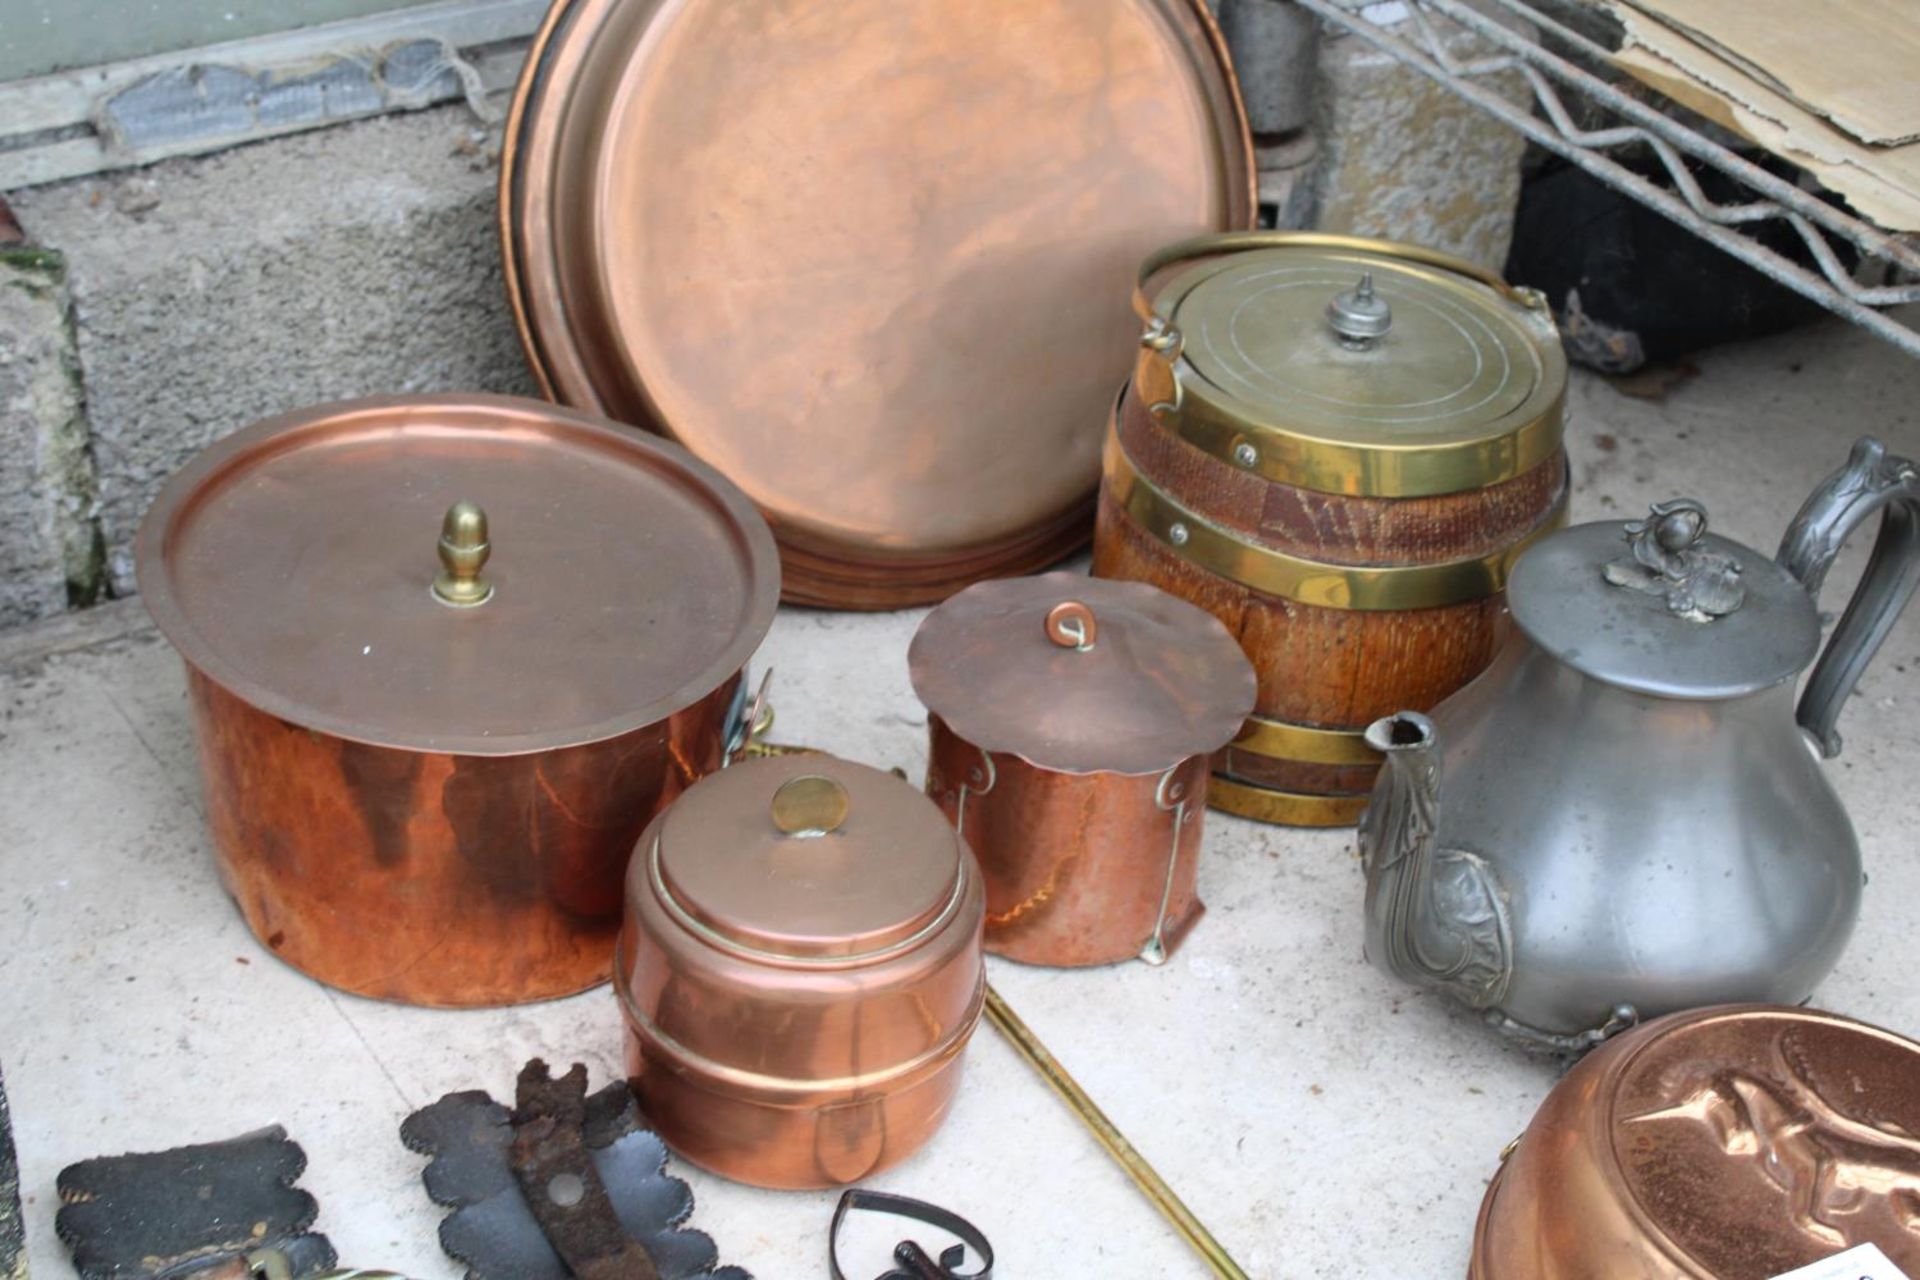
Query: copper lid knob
x,y
810,805
463,554
1071,625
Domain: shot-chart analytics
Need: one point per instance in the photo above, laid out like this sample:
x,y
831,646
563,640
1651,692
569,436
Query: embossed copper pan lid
x,y
1082,675
868,258
1733,1143
596,581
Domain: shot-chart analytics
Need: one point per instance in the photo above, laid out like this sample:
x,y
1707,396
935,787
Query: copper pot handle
x,y
1071,625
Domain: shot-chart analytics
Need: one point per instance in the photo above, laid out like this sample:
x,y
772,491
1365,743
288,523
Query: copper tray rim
x,y
154,576
828,573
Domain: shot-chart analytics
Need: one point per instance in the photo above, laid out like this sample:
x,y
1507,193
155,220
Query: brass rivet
x,y
810,805
1178,534
1245,454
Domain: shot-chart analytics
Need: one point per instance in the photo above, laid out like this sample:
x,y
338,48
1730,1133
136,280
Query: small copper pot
x,y
800,970
1071,722
429,735
1733,1143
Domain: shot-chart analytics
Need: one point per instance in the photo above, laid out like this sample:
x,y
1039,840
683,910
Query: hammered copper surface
x,y
429,877
797,1002
429,803
871,259
1161,680
1080,869
1735,1143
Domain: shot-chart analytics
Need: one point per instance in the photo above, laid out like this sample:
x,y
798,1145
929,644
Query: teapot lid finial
x,y
1667,559
1679,612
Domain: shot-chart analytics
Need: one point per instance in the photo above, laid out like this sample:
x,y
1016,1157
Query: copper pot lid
x,y
1735,1143
597,580
808,857
868,258
1082,675
1359,366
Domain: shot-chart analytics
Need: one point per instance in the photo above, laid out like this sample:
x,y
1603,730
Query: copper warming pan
x,y
1072,721
868,258
447,657
1734,1143
800,971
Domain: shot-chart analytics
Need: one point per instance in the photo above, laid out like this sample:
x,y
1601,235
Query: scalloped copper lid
x,y
1732,1143
1082,675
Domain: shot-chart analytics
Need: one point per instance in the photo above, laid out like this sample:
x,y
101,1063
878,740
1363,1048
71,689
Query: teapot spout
x,y
1436,917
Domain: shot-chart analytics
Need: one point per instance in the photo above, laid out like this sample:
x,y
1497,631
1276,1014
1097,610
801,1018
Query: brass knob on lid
x,y
1071,625
463,554
1359,316
809,805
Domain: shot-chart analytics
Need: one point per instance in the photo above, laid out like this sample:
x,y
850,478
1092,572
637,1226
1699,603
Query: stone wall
x,y
209,293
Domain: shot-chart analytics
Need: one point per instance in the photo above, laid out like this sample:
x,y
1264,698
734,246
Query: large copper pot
x,y
430,733
1338,447
800,971
1072,720
1741,1142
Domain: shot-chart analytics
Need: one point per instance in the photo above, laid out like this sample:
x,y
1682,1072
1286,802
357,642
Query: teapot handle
x,y
1870,481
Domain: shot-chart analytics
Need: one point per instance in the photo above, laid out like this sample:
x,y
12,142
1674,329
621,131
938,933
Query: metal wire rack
x,y
1566,70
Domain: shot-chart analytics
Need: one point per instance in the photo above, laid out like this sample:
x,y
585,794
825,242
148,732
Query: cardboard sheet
x,y
1855,63
1881,184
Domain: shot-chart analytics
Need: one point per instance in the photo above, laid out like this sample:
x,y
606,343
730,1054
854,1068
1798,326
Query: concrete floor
x,y
1323,1120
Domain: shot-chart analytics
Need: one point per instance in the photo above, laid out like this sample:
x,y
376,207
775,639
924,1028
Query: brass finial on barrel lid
x,y
1360,317
463,554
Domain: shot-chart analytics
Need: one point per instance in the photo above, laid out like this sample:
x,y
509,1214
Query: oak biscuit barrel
x,y
1338,447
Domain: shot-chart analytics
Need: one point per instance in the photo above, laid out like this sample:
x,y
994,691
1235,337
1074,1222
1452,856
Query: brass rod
x,y
1022,1038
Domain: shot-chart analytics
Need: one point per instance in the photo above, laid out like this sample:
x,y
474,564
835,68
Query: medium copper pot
x,y
1734,1143
1072,719
429,735
800,971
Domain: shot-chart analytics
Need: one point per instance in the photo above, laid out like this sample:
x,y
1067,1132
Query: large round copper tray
x,y
869,258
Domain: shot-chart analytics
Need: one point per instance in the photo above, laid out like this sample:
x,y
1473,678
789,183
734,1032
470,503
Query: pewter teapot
x,y
1625,815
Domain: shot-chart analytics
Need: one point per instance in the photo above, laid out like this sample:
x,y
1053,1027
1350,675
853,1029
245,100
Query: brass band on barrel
x,y
1282,740
1283,808
1329,586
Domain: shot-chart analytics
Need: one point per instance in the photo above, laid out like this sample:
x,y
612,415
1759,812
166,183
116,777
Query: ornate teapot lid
x,y
1082,675
1661,606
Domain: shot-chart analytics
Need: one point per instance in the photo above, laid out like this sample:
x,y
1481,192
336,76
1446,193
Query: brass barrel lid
x,y
1351,366
1082,675
1728,1142
808,856
1664,607
472,574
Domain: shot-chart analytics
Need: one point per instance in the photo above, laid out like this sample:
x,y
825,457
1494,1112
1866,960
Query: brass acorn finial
x,y
463,553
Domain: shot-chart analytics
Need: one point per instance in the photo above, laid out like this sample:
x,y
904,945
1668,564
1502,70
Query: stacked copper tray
x,y
867,259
